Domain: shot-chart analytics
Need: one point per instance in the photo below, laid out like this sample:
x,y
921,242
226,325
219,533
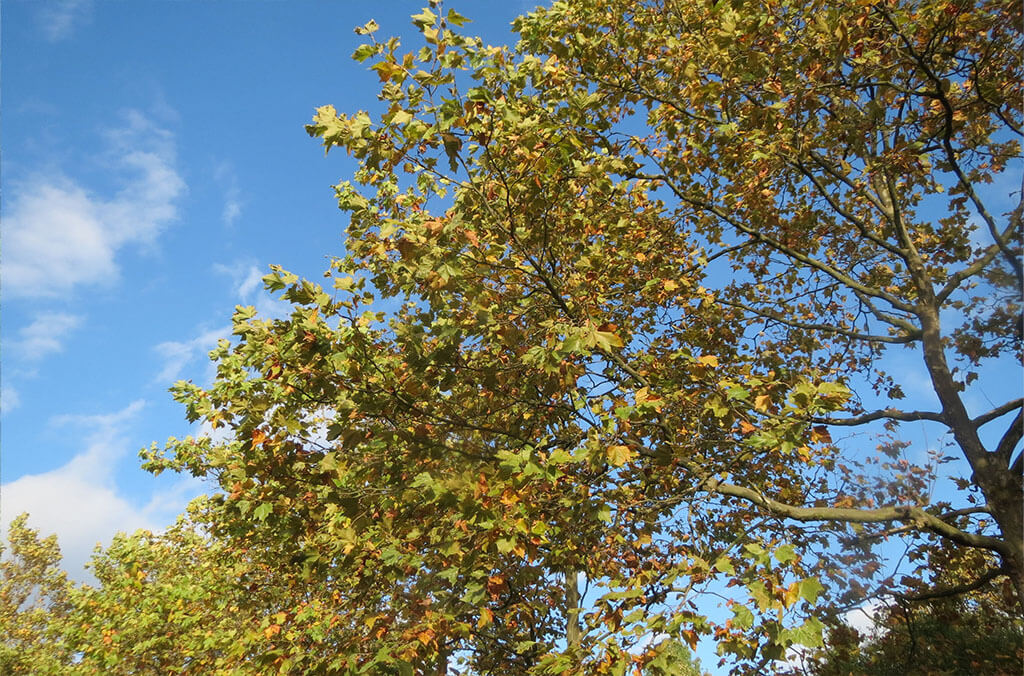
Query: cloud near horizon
x,y
59,235
80,501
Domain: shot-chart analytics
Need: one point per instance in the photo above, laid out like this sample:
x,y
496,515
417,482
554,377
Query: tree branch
x,y
886,414
757,235
951,155
984,509
953,590
997,412
897,340
1010,439
852,515
859,223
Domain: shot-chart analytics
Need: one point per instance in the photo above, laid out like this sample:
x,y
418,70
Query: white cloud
x,y
59,235
9,399
248,287
252,282
177,355
59,18
44,335
80,501
863,618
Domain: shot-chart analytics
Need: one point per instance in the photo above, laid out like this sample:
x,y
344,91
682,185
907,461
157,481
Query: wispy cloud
x,y
44,335
232,208
176,355
80,501
59,18
225,175
9,399
246,277
59,235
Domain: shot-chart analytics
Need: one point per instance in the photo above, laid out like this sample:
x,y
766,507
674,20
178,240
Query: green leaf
x,y
786,554
363,52
810,588
262,510
742,617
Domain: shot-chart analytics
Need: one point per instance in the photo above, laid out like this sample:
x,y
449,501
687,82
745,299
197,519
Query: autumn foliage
x,y
614,359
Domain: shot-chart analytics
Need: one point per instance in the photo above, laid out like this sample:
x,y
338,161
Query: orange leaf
x,y
820,433
691,638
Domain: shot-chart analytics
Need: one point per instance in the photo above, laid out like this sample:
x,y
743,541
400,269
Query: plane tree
x,y
613,333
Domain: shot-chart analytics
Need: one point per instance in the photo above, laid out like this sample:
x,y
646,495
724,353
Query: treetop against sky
x,y
154,165
672,326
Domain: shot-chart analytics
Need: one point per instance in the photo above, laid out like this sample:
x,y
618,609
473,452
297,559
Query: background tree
x,y
609,333
931,631
33,594
170,603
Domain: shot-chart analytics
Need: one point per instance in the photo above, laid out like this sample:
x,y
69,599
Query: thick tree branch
x,y
997,412
1010,439
984,509
852,515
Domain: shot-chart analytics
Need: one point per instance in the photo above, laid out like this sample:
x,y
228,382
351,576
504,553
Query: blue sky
x,y
154,164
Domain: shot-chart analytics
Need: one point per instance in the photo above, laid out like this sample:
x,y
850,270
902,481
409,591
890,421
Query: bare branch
x,y
756,234
954,590
828,328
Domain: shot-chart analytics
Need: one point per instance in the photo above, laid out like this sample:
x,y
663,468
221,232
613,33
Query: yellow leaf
x,y
607,338
619,455
708,360
486,617
669,285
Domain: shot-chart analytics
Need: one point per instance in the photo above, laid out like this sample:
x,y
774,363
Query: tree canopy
x,y
614,359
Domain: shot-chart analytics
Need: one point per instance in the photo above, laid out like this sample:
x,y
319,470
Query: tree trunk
x,y
572,607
